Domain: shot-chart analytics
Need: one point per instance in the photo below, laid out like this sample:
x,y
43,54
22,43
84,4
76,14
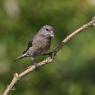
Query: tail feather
x,y
22,56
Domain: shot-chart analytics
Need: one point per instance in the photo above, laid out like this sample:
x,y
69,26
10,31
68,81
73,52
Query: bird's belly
x,y
41,51
38,50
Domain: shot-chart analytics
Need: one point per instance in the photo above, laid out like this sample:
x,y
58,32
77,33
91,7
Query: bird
x,y
40,43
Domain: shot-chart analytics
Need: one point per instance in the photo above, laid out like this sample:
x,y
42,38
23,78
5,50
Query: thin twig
x,y
49,59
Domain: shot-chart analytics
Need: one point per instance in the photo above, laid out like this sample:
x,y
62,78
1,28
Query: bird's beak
x,y
52,34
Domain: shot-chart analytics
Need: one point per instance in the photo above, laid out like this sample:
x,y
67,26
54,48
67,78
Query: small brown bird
x,y
40,43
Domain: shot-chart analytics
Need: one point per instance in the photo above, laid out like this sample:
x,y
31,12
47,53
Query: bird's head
x,y
47,31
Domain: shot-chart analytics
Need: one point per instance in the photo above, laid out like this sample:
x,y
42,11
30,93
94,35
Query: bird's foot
x,y
36,66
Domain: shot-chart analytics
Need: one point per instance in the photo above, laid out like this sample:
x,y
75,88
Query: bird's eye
x,y
47,29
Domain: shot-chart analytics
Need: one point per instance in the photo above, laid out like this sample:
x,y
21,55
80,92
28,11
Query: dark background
x,y
73,70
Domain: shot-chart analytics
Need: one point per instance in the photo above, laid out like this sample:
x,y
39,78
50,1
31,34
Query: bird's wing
x,y
29,45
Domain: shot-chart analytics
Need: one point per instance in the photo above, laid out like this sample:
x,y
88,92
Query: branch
x,y
49,59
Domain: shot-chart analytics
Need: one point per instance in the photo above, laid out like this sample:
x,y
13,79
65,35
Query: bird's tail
x,y
22,56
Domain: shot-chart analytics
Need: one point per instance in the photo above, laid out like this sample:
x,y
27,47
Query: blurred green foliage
x,y
73,71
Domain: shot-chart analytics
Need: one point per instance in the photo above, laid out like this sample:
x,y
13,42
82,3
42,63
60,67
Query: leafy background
x,y
73,71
